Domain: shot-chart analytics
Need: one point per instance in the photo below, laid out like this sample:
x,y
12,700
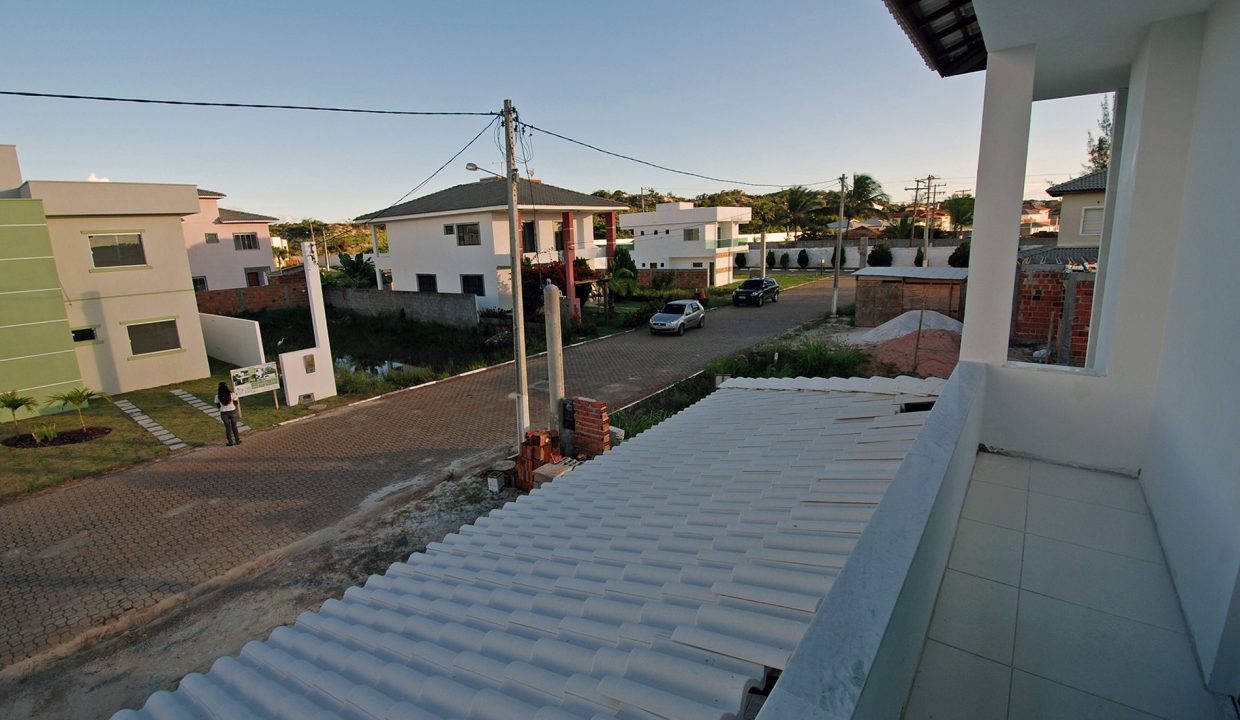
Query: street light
x,y
473,167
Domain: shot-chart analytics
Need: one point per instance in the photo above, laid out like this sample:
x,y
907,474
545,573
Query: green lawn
x,y
25,470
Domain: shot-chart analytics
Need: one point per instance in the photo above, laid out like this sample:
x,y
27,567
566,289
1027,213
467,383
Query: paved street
x,y
106,550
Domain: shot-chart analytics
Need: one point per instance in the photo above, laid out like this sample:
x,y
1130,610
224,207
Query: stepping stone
x,y
178,446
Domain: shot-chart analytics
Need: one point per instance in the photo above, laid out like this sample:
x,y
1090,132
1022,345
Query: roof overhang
x,y
945,32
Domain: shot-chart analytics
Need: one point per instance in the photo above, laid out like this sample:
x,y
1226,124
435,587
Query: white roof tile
x,y
662,579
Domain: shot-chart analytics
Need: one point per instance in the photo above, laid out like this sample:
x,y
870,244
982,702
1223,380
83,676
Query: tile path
x,y
88,555
162,434
211,410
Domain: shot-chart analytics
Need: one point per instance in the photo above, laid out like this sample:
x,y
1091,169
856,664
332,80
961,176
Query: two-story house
x,y
679,236
457,240
94,285
227,248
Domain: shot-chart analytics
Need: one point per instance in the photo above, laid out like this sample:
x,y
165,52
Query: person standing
x,y
226,401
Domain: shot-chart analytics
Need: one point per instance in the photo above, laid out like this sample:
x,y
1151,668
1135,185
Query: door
x,y
253,278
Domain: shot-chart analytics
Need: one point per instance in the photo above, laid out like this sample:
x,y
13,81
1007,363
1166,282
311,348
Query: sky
x,y
782,92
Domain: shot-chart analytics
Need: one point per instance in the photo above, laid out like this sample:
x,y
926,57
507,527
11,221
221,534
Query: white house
x,y
679,236
456,240
227,248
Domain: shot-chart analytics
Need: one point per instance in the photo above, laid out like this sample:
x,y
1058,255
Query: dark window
x,y
468,234
212,237
200,284
449,230
693,234
643,232
153,337
697,265
85,335
427,283
117,250
473,285
529,237
245,241
559,236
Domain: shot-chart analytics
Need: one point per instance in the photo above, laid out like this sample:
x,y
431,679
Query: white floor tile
x,y
988,551
1115,658
1034,698
1002,470
1087,486
976,615
1096,526
995,504
952,684
1116,584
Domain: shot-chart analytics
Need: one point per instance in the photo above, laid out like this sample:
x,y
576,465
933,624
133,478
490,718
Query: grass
x,y
23,471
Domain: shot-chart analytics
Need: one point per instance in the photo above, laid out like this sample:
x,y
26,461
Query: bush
x,y
880,256
742,259
802,259
770,258
843,256
784,261
920,259
960,256
662,280
623,260
44,432
643,314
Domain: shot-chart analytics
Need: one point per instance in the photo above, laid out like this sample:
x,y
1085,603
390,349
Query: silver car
x,y
677,316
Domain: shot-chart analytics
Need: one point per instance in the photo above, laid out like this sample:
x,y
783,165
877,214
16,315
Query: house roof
x,y
239,216
1052,255
1095,181
945,32
493,193
936,272
661,579
205,193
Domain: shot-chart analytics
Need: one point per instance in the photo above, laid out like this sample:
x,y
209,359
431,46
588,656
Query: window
x,y
307,363
449,229
200,283
693,234
697,265
212,237
529,237
473,285
85,335
643,232
559,235
467,234
153,337
117,250
245,241
427,283
1091,220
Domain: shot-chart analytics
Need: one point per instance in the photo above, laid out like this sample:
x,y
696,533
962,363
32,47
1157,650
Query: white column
x,y
1000,192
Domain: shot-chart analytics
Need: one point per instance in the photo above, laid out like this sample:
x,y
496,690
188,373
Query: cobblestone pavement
x,y
77,559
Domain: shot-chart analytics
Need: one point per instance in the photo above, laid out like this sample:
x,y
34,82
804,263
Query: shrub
x,y
409,375
742,259
960,256
770,258
44,432
803,259
662,280
359,382
784,262
643,314
880,256
843,256
920,259
623,260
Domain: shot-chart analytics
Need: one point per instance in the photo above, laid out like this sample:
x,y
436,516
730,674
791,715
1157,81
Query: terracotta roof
x,y
1095,181
239,216
493,193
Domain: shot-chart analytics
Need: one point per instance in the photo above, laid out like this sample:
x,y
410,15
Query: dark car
x,y
756,291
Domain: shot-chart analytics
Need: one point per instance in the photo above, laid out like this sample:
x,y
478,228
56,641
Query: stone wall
x,y
443,308
681,279
252,299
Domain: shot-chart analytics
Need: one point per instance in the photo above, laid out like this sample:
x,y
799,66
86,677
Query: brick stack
x,y
540,447
592,427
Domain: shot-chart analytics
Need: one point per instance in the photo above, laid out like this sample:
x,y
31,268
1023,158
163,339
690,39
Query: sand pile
x,y
895,342
902,325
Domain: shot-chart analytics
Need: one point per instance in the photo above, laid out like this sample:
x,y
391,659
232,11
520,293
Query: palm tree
x,y
15,403
800,206
864,199
77,397
960,207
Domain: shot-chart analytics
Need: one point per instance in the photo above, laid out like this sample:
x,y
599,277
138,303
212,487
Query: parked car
x,y
677,316
756,291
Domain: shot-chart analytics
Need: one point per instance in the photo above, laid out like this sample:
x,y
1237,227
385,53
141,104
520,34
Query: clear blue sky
x,y
777,92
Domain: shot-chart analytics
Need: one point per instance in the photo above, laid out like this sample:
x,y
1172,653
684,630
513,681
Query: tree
x,y
770,258
15,403
623,260
784,261
960,256
765,214
800,206
920,259
358,271
880,256
1098,149
78,397
741,260
901,229
960,207
843,256
802,259
864,199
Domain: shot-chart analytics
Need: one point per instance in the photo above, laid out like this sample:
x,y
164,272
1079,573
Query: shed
x,y
885,292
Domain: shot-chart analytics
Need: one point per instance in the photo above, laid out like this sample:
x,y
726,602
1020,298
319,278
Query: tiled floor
x,y
1057,603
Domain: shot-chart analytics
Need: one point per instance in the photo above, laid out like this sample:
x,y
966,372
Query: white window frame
x,y
136,233
155,321
211,238
241,239
1099,211
693,234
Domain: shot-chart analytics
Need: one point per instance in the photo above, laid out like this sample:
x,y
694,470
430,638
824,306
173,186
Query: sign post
x,y
256,379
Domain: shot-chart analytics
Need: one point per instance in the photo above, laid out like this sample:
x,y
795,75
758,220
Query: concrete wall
x,y
233,340
1070,214
444,308
900,256
297,380
251,299
1191,457
221,263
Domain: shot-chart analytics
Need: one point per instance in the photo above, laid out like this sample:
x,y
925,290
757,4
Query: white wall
x,y
1070,219
221,263
1191,471
233,340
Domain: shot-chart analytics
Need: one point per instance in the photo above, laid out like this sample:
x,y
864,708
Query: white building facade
x,y
679,236
227,248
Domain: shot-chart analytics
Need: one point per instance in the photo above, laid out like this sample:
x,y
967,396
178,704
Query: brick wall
x,y
683,279
252,299
592,426
444,308
1043,300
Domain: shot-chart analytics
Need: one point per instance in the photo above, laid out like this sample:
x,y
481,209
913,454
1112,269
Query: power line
x,y
259,106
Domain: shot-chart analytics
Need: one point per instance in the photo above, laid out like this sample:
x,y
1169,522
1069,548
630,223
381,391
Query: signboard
x,y
255,379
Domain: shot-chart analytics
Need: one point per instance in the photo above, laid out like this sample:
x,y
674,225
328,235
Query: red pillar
x,y
611,236
570,255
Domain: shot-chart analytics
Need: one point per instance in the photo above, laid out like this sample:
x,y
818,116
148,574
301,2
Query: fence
x,y
251,299
444,308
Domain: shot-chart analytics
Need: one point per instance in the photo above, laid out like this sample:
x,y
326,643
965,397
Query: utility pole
x,y
912,230
642,192
514,247
839,249
925,247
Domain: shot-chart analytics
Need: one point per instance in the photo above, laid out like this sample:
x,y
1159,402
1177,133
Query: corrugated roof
x,y
205,193
945,32
1095,181
1057,255
664,579
493,193
936,272
228,216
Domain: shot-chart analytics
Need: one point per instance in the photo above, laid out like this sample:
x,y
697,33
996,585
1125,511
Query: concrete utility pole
x,y
762,253
912,229
514,246
374,249
925,246
839,249
555,360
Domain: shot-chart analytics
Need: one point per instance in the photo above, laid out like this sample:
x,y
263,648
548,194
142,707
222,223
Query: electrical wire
x,y
259,106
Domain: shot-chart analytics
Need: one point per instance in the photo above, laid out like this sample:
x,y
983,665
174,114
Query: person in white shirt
x,y
226,401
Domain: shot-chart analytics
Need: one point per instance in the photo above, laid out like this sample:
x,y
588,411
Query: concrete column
x,y
570,255
1000,192
611,236
555,358
374,247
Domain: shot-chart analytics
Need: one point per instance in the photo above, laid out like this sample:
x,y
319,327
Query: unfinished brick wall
x,y
1082,311
252,299
1043,299
592,426
682,279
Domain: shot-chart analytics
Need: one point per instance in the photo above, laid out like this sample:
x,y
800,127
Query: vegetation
x,y
960,256
920,259
15,403
784,261
742,259
77,399
800,207
44,432
880,256
803,259
960,207
1098,149
355,271
770,259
